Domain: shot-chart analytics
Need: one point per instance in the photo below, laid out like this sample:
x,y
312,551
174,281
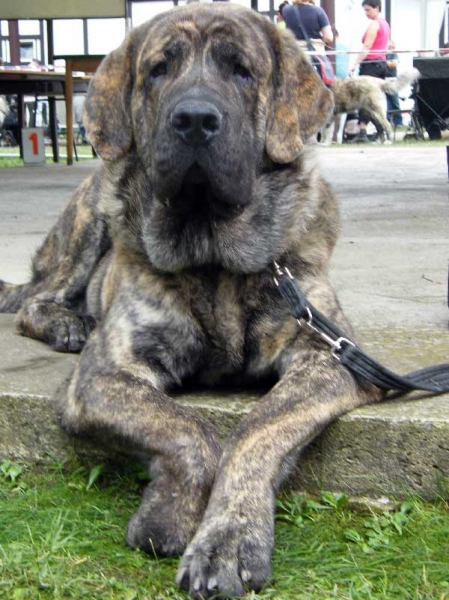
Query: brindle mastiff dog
x,y
201,117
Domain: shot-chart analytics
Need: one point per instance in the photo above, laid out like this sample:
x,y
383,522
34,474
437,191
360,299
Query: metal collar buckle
x,y
336,344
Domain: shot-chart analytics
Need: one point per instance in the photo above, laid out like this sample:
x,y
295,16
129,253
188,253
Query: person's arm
x,y
393,61
370,36
325,27
327,35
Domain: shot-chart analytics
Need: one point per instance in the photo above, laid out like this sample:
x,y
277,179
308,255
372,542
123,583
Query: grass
x,y
10,157
12,161
62,536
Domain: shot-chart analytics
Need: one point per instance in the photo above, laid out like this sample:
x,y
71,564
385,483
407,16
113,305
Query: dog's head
x,y
204,95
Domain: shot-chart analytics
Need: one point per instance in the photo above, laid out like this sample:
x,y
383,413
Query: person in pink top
x,y
373,57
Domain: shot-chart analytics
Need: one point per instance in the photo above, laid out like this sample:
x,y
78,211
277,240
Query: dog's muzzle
x,y
196,122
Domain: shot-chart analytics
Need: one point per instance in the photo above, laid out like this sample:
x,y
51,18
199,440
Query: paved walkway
x,y
392,258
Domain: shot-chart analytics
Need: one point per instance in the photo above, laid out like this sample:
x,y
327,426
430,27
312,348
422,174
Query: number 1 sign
x,y
33,145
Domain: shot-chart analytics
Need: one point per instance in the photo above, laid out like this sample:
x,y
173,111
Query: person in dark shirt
x,y
315,22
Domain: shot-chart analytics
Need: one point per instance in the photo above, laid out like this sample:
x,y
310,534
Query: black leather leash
x,y
431,379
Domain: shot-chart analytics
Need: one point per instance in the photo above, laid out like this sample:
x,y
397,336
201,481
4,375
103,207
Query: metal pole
x,y
388,11
128,15
53,117
50,42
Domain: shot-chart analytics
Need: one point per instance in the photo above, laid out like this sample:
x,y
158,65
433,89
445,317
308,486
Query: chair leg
x,y
417,127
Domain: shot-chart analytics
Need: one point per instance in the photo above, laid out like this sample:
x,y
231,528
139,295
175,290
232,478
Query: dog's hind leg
x,y
13,296
382,126
376,109
52,306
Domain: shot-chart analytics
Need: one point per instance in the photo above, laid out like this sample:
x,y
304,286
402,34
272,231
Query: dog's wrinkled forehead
x,y
205,30
203,45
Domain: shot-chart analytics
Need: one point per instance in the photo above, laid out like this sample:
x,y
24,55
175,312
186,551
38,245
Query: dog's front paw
x,y
228,557
168,517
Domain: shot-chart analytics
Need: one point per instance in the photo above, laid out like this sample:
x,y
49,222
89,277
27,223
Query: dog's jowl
x,y
160,270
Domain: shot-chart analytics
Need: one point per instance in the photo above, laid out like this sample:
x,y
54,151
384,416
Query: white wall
x,y
407,17
351,22
433,17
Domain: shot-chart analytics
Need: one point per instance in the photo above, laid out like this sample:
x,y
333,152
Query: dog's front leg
x,y
231,550
126,406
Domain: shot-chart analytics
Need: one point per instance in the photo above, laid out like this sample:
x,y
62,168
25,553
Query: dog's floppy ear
x,y
301,104
107,110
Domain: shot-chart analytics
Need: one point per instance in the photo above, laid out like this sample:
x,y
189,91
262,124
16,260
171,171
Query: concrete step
x,y
395,448
390,272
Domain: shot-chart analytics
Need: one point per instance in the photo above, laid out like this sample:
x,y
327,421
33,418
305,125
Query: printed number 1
x,y
33,140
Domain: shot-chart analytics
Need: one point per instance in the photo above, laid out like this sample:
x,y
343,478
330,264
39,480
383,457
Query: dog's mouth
x,y
198,194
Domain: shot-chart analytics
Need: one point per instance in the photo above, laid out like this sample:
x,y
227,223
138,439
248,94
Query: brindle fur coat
x,y
160,270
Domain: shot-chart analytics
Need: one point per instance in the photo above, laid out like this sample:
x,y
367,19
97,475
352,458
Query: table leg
x,y
53,129
69,109
21,120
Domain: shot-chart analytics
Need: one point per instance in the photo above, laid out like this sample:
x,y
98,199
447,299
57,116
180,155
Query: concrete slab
x,y
30,201
390,269
394,448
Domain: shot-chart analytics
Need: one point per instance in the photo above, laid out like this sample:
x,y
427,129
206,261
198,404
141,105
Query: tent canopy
x,y
55,9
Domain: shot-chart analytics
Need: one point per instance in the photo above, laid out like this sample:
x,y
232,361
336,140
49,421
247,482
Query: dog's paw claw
x,y
246,575
212,584
182,578
226,565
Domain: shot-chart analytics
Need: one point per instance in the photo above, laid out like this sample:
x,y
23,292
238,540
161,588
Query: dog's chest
x,y
245,326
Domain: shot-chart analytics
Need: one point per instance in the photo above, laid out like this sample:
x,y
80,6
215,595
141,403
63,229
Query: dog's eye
x,y
242,73
159,70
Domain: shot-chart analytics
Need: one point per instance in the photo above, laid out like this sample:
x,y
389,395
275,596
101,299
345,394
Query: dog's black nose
x,y
196,122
